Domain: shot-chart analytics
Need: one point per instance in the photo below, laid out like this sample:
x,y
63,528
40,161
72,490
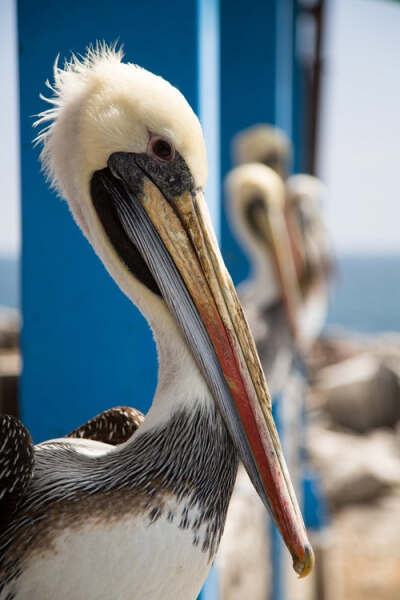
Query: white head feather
x,y
102,106
307,193
243,183
255,143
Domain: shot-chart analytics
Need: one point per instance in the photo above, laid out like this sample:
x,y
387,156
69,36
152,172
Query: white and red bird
x,y
142,520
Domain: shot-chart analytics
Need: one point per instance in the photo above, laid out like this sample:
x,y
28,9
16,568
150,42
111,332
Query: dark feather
x,y
16,465
114,426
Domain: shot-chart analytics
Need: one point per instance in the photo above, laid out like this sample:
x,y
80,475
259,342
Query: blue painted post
x,y
248,66
314,507
208,57
85,346
208,24
210,589
285,60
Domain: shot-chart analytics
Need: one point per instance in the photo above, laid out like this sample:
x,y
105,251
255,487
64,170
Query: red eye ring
x,y
161,148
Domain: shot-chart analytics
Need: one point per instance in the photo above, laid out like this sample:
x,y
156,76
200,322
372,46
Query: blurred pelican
x,y
255,197
311,250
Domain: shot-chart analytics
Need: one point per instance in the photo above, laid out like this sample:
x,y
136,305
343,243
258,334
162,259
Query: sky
x,y
360,133
9,157
359,137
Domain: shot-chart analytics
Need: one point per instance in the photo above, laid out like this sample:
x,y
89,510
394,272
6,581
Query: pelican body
x,y
142,520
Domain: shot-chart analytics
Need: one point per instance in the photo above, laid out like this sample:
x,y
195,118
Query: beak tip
x,y
303,566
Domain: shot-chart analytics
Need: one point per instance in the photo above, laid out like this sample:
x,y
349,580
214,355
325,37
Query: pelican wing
x,y
114,426
16,465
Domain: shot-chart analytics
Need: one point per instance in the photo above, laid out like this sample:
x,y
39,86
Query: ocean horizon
x,y
9,281
365,295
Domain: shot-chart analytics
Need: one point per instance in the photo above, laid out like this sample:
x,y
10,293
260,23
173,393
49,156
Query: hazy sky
x,y
359,155
9,182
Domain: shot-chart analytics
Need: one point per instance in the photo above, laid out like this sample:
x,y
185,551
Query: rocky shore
x,y
10,361
354,443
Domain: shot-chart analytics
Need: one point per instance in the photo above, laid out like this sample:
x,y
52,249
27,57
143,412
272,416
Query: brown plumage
x,y
16,464
114,426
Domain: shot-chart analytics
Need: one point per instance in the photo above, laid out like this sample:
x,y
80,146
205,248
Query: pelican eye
x,y
161,149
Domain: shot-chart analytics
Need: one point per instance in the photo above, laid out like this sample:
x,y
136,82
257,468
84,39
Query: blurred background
x,y
327,74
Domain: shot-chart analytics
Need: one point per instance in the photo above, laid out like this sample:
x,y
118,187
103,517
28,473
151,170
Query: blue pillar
x,y
259,84
85,347
210,589
248,70
285,55
209,74
209,98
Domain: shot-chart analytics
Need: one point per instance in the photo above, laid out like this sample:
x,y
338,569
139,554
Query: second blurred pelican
x,y
271,296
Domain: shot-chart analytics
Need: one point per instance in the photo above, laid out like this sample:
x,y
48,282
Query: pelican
x,y
270,296
142,520
310,243
311,250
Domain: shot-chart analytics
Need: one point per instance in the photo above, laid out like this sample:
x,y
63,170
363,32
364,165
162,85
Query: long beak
x,y
175,238
272,224
296,242
308,237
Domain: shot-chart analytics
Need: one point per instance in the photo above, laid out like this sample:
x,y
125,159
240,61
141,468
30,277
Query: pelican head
x,y
264,144
126,151
305,195
256,201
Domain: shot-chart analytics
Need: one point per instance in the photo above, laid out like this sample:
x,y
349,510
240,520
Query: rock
x,y
9,328
10,367
329,350
368,550
10,360
385,346
355,469
360,393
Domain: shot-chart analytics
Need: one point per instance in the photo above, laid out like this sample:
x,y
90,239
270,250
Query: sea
x,y
9,282
365,294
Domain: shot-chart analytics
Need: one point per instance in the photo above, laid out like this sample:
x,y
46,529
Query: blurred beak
x,y
296,242
272,224
176,239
